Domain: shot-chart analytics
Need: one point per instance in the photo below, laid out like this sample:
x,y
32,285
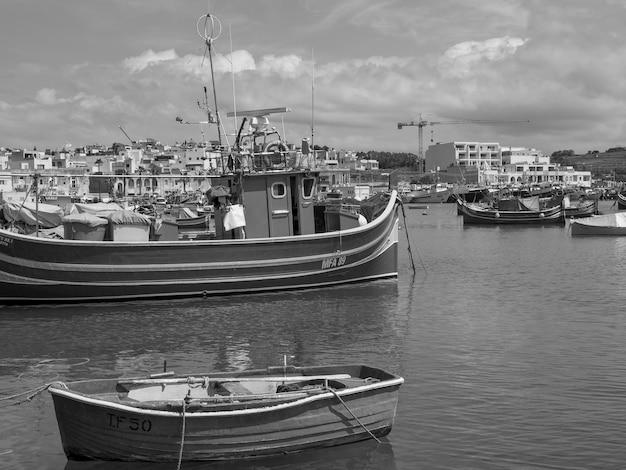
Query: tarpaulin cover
x,y
123,217
519,205
85,219
616,219
100,209
48,215
217,191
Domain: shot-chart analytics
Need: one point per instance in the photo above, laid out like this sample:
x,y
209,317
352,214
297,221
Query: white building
x,y
497,165
525,173
523,155
482,155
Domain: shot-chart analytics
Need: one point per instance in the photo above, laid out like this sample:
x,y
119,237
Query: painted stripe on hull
x,y
384,265
273,263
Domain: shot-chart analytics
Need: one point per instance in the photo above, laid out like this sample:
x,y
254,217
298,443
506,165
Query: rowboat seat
x,y
233,388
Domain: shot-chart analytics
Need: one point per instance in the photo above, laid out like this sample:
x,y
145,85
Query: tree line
x,y
390,160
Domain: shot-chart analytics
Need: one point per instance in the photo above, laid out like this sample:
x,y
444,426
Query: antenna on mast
x,y
210,31
232,74
313,100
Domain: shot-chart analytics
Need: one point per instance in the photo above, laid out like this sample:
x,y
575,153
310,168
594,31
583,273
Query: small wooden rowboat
x,y
520,213
613,224
222,416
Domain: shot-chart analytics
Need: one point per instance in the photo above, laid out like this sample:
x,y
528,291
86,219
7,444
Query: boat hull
x,y
591,230
438,197
449,195
613,224
93,429
477,215
39,270
583,209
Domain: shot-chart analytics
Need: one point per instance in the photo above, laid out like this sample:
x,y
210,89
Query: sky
x,y
548,75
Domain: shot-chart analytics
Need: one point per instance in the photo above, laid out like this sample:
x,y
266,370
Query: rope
x,y
353,415
182,437
31,394
50,363
406,230
192,384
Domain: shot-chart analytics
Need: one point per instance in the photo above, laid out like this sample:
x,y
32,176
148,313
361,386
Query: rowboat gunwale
x,y
204,414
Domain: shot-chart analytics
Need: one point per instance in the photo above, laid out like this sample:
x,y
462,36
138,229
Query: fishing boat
x,y
621,201
445,193
511,211
434,194
222,416
271,233
613,224
187,219
581,208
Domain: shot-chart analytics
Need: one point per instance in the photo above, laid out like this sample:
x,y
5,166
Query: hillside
x,y
600,164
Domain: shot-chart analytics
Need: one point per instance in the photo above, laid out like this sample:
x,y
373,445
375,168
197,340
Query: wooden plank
x,y
197,380
236,388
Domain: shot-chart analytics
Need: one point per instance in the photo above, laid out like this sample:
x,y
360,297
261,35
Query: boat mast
x,y
36,186
211,30
313,103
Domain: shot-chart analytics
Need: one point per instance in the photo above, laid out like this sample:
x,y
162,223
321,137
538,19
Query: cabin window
x,y
308,184
279,190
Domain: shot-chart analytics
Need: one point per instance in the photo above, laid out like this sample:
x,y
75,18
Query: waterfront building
x,y
538,173
513,155
490,164
482,155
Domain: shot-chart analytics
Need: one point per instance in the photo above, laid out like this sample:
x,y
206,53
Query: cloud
x,y
111,105
46,96
149,58
190,65
289,66
242,60
363,67
460,59
80,101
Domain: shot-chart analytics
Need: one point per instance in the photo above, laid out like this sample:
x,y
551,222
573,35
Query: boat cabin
x,y
277,204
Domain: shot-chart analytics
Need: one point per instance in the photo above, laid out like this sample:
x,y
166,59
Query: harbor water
x,y
511,340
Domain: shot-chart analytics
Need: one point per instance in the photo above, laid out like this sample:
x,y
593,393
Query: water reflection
x,y
366,455
219,334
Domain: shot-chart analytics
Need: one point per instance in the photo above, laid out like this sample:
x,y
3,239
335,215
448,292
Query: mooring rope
x,y
182,437
406,231
31,394
353,415
55,362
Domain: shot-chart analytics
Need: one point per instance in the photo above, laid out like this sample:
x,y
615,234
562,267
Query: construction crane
x,y
421,123
127,136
